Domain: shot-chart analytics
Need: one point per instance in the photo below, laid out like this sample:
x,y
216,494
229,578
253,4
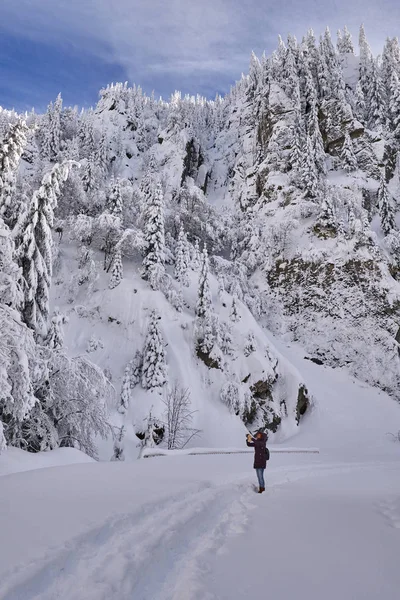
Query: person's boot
x,y
260,490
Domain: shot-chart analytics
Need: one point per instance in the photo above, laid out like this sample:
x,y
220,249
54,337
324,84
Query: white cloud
x,y
183,39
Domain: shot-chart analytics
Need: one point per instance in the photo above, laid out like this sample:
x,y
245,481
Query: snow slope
x,y
191,527
117,319
15,460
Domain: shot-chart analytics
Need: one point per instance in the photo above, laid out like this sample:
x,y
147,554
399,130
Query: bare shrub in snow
x,y
178,418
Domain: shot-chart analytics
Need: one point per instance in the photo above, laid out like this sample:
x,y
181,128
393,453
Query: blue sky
x,y
198,46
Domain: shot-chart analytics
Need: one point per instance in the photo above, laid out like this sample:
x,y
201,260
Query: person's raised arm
x,y
250,440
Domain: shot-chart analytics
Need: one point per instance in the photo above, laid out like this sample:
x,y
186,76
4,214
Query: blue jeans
x,y
260,476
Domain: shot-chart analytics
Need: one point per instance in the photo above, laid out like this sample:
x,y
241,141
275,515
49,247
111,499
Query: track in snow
x,y
160,553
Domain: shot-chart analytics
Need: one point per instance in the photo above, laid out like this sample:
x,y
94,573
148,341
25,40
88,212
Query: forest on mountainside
x,y
206,227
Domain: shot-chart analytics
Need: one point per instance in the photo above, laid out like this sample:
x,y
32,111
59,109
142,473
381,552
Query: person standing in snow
x,y
261,455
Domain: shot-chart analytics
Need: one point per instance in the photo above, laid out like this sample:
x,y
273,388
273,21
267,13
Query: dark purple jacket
x,y
260,452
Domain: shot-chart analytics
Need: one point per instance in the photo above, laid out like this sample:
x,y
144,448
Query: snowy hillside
x,y
191,527
155,254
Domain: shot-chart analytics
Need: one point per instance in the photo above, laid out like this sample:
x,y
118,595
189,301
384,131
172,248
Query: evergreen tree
x,y
295,157
126,389
234,315
347,155
181,259
225,341
316,140
52,130
309,174
10,154
365,61
89,179
360,107
102,154
386,210
116,269
119,444
34,247
394,104
10,289
204,301
326,218
344,43
375,98
154,373
153,262
114,200
55,336
196,259
250,344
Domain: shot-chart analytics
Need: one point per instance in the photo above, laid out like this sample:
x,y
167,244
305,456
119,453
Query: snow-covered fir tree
x,y
114,199
11,150
234,314
119,444
386,209
347,154
52,130
116,269
35,247
153,262
309,175
154,371
182,259
55,335
204,300
250,344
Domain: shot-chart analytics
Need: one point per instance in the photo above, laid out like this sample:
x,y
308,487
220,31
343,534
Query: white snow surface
x,y
14,460
191,527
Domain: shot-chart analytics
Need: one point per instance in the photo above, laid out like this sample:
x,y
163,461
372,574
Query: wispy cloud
x,y
190,44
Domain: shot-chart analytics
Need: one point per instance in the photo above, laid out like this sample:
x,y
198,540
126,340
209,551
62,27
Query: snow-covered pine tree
x,y
375,98
309,176
394,105
250,344
3,443
360,107
204,300
119,444
225,341
149,181
86,136
181,259
89,179
11,150
34,247
230,396
153,262
349,160
55,336
386,210
316,139
10,290
117,272
365,64
102,154
52,130
326,218
150,436
196,258
154,372
344,43
114,199
126,389
234,314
